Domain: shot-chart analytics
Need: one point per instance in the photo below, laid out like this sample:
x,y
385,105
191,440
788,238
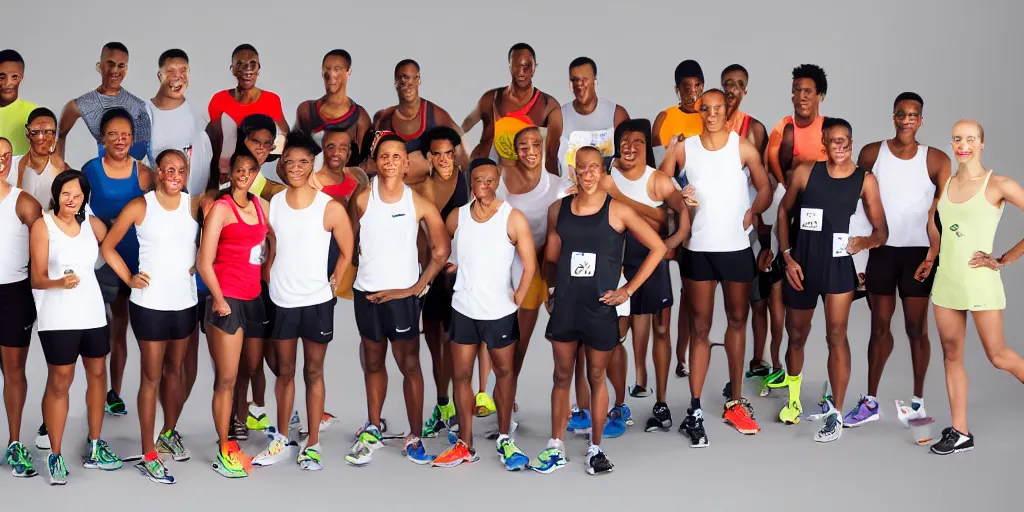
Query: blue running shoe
x,y
549,461
627,415
511,456
415,452
580,421
58,470
616,425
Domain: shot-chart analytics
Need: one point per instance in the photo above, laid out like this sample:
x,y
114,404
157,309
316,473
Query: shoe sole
x,y
216,467
956,450
418,462
546,471
26,474
152,479
590,471
452,464
863,422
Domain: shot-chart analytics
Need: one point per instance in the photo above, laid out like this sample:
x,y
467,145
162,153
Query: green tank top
x,y
967,227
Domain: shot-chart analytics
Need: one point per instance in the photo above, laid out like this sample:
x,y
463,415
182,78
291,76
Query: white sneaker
x,y
43,438
278,449
906,412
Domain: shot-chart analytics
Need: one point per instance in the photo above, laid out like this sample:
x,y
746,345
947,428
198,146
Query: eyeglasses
x,y
46,132
265,144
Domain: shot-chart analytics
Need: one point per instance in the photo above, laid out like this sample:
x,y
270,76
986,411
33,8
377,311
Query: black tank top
x,y
427,121
591,259
460,197
822,225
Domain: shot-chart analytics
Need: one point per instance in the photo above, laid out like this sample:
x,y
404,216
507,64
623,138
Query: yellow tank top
x,y
678,122
967,227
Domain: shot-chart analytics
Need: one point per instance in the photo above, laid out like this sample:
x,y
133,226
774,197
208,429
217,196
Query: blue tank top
x,y
109,196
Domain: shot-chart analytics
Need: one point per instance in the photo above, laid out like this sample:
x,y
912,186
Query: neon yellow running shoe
x,y
257,418
484,405
447,411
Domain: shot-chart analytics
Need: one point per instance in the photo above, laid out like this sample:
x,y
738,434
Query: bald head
x,y
970,124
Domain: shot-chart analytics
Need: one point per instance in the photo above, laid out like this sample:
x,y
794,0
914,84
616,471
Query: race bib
x,y
839,241
811,218
256,255
582,264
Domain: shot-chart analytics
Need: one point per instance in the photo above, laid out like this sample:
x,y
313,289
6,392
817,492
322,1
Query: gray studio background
x,y
958,55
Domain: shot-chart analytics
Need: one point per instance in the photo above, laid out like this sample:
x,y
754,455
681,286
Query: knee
x,y
312,372
881,331
172,371
999,359
563,377
411,366
224,384
596,377
149,380
952,350
58,385
917,332
500,371
737,318
701,329
285,370
835,336
96,372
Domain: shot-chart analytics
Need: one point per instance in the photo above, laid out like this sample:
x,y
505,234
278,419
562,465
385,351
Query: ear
x,y
98,67
821,97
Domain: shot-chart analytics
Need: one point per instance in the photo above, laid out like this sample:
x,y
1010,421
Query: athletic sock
x,y
594,450
695,404
502,437
555,443
442,401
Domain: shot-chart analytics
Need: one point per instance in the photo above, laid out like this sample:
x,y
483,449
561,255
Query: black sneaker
x,y
239,432
43,438
953,442
661,420
115,406
598,463
682,370
693,427
638,391
727,391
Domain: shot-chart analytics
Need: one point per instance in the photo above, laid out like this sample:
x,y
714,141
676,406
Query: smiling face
x,y
838,144
335,72
392,159
11,75
172,174
442,157
337,149
632,151
113,67
529,148
968,141
71,197
174,77
42,135
407,83
245,66
117,138
298,165
260,144
243,173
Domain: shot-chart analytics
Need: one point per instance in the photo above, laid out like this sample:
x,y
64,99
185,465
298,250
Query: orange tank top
x,y
740,123
678,122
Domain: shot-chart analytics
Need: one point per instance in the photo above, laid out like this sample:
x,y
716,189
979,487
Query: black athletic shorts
x,y
17,314
153,325
654,295
892,268
268,311
61,348
311,323
111,286
395,320
808,298
201,311
248,315
437,303
496,334
764,281
598,329
736,266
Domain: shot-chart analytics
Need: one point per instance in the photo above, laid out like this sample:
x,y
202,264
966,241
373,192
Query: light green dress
x,y
967,227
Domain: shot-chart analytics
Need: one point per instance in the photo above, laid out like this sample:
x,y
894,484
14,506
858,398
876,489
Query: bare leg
x,y
759,328
778,321
433,333
95,391
737,309
15,388
597,363
463,357
313,355
701,300
284,387
118,341
149,385
837,318
662,353
565,362
172,381
952,326
881,343
55,402
641,338
407,356
226,351
915,319
375,377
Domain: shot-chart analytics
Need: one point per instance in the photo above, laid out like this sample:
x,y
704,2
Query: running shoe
x,y
831,426
239,432
615,425
740,414
382,430
115,406
638,391
58,470
448,411
511,456
415,452
682,369
774,380
370,439
231,462
309,458
484,405
579,421
906,413
257,418
327,420
20,460
627,415
953,441
550,460
42,438
100,456
865,411
154,470
170,442
434,423
693,427
598,463
457,454
661,420
761,370
790,414
277,449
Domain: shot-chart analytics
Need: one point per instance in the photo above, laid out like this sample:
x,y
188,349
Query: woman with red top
x,y
231,254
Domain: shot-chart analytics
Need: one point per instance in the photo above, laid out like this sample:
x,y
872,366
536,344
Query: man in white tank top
x,y
487,234
303,220
908,181
647,190
386,217
18,210
174,124
719,252
587,120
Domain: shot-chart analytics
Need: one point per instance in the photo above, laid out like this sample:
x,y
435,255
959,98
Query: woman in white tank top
x,y
72,319
34,171
162,304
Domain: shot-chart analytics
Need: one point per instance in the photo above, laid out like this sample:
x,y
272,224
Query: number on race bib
x,y
582,264
811,219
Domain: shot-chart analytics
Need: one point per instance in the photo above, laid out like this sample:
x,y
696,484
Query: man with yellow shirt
x,y
14,111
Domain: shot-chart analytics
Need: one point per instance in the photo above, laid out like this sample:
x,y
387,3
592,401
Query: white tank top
x,y
180,129
37,184
636,190
13,241
721,190
860,226
534,205
483,280
387,243
594,129
297,277
80,307
167,253
907,193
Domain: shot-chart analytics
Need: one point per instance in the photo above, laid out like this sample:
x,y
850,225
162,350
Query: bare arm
x,y
132,214
1012,192
302,117
758,136
794,272
656,131
657,215
356,208
554,125
98,228
475,116
552,248
629,219
675,158
68,117
215,221
868,155
668,193
337,222
872,200
440,243
620,116
27,209
520,236
751,159
39,249
362,126
939,170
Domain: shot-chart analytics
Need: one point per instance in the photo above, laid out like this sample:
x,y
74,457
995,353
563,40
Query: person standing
x,y
14,110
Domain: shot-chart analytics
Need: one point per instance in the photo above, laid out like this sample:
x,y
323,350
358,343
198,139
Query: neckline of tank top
x,y
728,140
52,216
230,201
597,105
181,197
284,199
921,148
607,201
980,191
17,166
376,190
540,179
318,105
500,93
184,103
824,165
469,210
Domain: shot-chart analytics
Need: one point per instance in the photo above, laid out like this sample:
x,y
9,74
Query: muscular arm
x,y
552,246
666,191
337,222
553,122
758,135
302,117
68,117
869,154
474,116
132,215
356,208
800,176
1010,191
872,200
751,159
440,243
657,215
519,234
216,135
631,220
27,209
675,158
939,169
363,126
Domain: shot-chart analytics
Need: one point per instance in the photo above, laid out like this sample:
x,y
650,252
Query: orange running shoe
x,y
740,414
457,454
243,459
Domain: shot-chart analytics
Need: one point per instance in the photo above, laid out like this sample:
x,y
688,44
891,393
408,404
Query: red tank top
x,y
240,254
342,190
